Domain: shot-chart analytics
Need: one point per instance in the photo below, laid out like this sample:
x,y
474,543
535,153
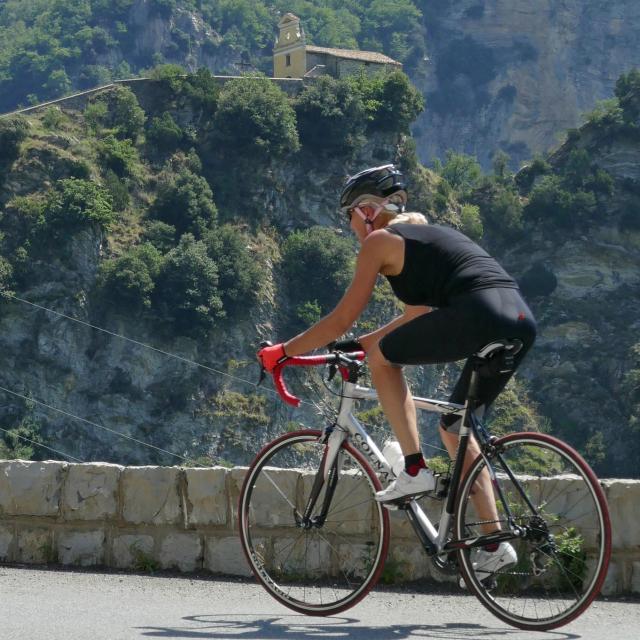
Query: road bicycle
x,y
316,538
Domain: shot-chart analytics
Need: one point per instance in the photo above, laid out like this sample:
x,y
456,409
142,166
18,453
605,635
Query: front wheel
x,y
320,562
551,500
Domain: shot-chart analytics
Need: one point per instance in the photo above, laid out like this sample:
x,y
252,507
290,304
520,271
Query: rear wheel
x,y
564,546
313,565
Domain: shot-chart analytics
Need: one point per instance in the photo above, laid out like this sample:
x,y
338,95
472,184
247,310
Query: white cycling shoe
x,y
492,561
405,486
486,563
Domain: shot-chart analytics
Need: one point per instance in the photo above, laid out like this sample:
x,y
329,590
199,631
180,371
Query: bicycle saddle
x,y
497,357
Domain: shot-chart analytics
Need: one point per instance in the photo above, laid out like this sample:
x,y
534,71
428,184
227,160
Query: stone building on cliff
x,y
294,58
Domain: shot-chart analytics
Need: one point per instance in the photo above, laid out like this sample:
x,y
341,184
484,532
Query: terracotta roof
x,y
353,54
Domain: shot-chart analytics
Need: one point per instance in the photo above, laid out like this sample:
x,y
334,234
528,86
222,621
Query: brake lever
x,y
263,371
333,369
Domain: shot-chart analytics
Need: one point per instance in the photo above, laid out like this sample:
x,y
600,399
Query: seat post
x,y
464,434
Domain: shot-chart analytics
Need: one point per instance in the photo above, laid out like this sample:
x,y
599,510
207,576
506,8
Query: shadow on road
x,y
255,627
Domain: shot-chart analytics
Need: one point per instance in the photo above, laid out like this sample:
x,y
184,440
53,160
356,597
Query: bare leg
x,y
482,497
395,399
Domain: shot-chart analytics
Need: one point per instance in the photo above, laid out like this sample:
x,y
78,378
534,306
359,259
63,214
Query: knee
x,y
377,360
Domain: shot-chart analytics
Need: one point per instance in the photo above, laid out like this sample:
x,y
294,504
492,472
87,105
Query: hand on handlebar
x,y
271,355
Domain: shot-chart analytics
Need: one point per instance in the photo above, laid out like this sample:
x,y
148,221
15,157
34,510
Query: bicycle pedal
x,y
404,501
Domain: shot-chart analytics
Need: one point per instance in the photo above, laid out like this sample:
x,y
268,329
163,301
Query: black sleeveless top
x,y
440,263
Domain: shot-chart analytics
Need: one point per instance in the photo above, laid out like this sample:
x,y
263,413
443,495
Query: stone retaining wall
x,y
186,519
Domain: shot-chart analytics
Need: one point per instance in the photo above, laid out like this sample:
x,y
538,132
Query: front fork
x,y
327,474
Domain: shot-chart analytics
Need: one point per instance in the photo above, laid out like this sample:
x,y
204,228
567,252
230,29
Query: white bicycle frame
x,y
348,425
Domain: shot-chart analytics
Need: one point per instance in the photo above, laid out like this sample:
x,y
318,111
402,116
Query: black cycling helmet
x,y
381,182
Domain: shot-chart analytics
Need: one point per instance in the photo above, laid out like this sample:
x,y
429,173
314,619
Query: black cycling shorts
x,y
471,321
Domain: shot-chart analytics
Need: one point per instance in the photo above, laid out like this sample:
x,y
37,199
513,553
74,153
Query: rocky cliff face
x,y
589,320
514,75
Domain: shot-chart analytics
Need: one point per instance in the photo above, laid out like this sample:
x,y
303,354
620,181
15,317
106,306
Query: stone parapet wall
x,y
186,519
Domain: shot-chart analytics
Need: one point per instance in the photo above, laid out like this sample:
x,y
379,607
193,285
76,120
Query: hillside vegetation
x,y
200,217
50,47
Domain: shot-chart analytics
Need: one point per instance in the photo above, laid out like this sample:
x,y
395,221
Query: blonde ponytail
x,y
408,217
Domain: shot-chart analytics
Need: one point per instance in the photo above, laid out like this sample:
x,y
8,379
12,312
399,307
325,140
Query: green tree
x,y
130,279
331,116
164,134
471,221
118,109
119,156
254,119
461,171
159,234
13,132
240,276
317,265
185,201
628,93
187,288
394,103
75,203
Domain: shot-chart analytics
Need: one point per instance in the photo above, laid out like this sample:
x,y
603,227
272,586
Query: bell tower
x,y
289,55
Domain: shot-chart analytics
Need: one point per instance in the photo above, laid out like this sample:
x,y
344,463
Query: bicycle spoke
x,y
315,563
563,548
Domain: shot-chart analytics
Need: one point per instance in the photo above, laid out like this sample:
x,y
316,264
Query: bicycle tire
x,y
317,570
564,557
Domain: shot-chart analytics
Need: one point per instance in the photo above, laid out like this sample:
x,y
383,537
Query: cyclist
x,y
457,299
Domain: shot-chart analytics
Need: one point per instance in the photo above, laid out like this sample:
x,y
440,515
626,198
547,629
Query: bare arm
x,y
370,260
410,312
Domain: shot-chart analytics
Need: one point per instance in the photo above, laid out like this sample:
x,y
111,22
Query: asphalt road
x,y
39,604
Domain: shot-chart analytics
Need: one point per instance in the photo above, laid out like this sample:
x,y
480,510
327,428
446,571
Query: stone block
x,y
405,562
225,555
132,551
150,495
235,481
91,491
181,551
635,577
6,538
35,545
611,582
623,497
81,548
31,488
207,496
271,507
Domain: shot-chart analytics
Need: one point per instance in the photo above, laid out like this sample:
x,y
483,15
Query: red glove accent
x,y
271,356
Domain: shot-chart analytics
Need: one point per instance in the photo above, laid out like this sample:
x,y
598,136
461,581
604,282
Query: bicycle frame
x,y
347,425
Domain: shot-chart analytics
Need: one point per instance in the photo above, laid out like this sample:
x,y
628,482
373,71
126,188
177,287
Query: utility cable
x,y
146,346
93,424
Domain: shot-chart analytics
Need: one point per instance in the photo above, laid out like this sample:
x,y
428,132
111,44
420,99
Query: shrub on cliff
x,y
317,265
129,280
119,156
335,114
12,132
254,119
118,110
185,201
240,276
391,101
73,204
331,116
628,94
461,171
186,292
164,133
